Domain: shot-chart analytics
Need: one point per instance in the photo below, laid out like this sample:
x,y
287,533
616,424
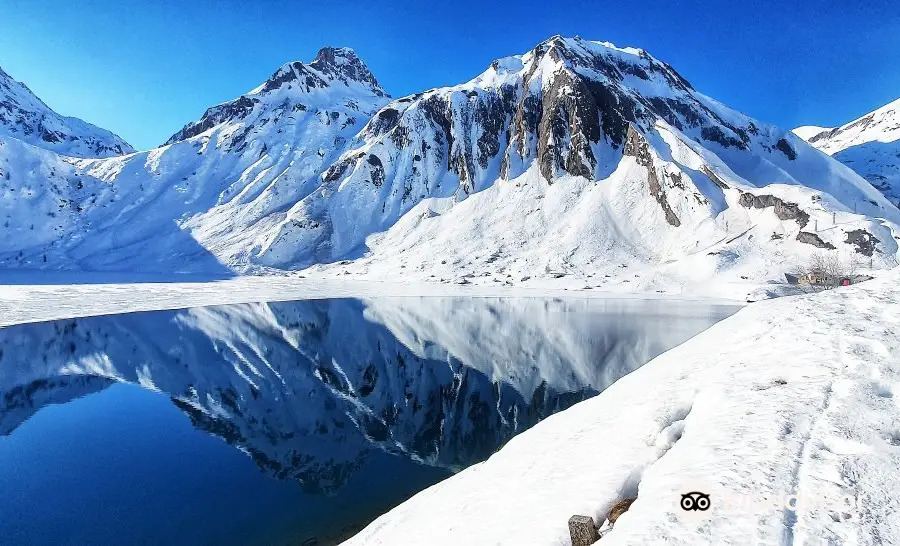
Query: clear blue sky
x,y
145,68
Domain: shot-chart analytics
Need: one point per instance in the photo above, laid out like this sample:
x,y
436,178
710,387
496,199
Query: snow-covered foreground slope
x,y
870,145
25,117
576,158
789,397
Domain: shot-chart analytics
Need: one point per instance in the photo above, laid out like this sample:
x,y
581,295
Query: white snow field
x,y
796,396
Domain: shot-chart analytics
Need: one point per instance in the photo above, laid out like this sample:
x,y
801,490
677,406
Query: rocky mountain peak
x,y
331,65
343,63
336,75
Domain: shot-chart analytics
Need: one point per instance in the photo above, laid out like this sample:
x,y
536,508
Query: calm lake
x,y
294,422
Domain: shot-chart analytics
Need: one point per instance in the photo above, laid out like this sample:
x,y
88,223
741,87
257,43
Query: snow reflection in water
x,y
334,410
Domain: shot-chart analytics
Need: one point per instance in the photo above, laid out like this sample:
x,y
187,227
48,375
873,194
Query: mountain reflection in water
x,y
351,405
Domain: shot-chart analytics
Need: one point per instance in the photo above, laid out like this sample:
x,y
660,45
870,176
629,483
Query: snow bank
x,y
24,299
789,397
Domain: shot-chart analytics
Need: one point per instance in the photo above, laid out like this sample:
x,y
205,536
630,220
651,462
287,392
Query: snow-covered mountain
x,y
870,145
25,117
575,158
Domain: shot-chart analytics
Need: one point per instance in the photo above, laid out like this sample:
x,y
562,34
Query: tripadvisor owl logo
x,y
695,500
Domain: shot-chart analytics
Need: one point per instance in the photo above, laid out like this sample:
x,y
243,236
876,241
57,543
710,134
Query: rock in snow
x,y
785,414
574,158
869,145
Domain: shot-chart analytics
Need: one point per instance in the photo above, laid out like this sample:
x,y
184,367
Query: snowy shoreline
x,y
792,397
31,301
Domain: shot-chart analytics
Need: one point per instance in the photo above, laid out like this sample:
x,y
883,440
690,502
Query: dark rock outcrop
x,y
863,240
234,110
814,240
785,147
376,169
637,147
783,209
712,176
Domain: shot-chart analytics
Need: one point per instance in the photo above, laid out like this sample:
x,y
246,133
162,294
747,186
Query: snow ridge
x,y
870,145
25,117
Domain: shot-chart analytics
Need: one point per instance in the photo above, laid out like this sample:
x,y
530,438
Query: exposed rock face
x,y
25,117
783,210
714,177
234,110
864,241
618,509
786,149
342,64
814,240
557,104
637,147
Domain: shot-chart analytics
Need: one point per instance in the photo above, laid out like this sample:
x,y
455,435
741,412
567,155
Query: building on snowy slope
x,y
25,117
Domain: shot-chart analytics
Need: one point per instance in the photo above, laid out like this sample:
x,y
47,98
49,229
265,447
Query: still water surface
x,y
290,422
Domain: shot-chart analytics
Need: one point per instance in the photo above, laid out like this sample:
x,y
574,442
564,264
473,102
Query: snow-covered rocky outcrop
x,y
869,145
576,158
786,414
25,117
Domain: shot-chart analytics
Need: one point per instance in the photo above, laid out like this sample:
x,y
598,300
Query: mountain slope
x,y
575,158
233,172
870,145
23,116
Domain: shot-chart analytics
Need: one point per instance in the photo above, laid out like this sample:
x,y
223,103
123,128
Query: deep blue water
x,y
288,423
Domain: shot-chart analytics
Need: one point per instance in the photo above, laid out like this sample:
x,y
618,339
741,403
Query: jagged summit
x,y
567,103
331,66
335,75
342,62
25,117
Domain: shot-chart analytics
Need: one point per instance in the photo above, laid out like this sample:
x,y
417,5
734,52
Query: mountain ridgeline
x,y
25,117
574,158
870,145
